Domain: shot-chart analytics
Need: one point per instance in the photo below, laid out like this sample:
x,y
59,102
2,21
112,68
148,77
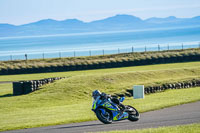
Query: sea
x,y
98,43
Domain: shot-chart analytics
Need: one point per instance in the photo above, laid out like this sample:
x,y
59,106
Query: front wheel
x,y
133,114
104,115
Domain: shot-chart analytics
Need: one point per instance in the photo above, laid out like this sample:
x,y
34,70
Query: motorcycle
x,y
108,111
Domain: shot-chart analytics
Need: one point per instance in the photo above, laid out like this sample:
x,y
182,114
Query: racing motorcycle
x,y
108,111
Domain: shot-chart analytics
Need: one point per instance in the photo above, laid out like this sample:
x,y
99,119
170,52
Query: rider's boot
x,y
122,107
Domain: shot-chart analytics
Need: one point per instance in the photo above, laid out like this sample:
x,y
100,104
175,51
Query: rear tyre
x,y
133,114
106,118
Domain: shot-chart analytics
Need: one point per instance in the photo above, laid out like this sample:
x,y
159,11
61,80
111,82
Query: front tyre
x,y
104,115
133,114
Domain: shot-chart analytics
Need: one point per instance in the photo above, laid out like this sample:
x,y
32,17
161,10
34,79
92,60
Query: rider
x,y
103,96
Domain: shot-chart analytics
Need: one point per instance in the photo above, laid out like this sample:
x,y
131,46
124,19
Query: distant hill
x,y
118,22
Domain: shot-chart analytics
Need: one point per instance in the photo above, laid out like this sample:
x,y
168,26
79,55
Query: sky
x,y
19,12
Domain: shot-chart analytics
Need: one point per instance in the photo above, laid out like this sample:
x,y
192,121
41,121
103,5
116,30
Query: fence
x,y
60,54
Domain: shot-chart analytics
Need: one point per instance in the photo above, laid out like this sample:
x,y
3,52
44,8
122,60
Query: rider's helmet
x,y
96,93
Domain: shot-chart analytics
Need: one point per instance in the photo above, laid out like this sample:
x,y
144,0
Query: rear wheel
x,y
104,115
133,114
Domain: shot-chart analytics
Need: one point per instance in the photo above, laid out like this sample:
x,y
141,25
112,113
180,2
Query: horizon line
x,y
96,19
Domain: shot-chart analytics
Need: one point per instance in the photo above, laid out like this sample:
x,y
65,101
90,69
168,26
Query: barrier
x,y
25,87
163,87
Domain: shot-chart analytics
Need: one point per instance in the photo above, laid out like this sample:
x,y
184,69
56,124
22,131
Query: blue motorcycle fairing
x,y
103,111
109,105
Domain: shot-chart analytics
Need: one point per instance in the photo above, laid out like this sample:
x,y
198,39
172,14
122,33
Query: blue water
x,y
87,44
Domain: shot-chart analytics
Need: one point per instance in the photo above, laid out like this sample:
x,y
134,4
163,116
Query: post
x,y
199,44
103,52
168,47
90,53
43,56
74,54
26,57
118,50
158,47
132,49
11,57
182,46
60,55
145,49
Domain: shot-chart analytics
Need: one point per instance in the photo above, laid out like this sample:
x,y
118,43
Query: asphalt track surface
x,y
177,115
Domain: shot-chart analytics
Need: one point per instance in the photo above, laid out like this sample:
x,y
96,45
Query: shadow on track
x,y
89,125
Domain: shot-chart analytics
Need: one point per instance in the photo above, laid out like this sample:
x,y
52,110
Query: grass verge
x,y
171,66
26,112
191,128
69,100
5,90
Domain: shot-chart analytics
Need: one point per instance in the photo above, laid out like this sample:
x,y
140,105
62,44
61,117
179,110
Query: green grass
x,y
5,89
26,111
69,100
191,128
101,71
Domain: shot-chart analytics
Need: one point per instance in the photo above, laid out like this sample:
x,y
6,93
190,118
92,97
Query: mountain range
x,y
114,23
